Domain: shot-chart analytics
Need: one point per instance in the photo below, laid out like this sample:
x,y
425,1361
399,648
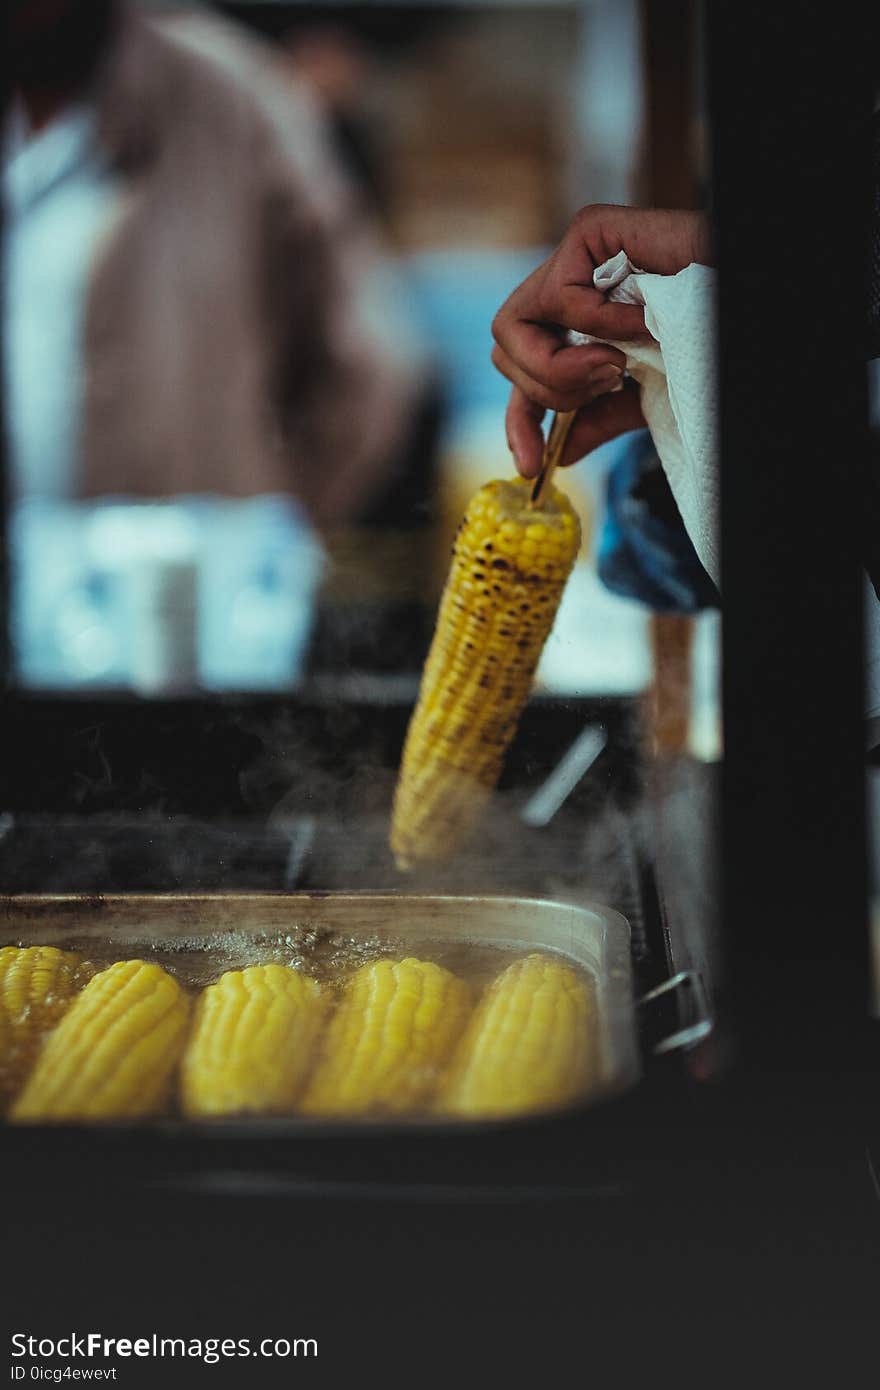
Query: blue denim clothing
x,y
645,552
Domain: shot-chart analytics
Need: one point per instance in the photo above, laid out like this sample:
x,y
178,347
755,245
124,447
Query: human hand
x,y
530,327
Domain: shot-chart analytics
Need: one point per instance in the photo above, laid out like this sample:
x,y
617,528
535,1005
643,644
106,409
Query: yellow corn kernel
x,y
509,568
253,1042
115,1050
531,1043
389,1039
37,984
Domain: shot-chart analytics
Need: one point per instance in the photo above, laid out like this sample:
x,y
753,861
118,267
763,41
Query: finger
x,y
524,436
542,353
587,311
605,419
569,297
536,392
549,398
661,240
606,379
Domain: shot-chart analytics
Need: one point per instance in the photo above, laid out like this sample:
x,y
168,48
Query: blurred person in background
x,y
374,615
546,373
339,67
188,304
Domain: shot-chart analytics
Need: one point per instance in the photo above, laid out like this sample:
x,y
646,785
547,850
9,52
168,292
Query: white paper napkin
x,y
679,389
679,397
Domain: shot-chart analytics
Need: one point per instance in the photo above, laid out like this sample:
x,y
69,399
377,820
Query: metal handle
x,y
703,1023
575,763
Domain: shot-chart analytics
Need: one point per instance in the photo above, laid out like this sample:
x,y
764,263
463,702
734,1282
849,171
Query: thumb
x,y
603,419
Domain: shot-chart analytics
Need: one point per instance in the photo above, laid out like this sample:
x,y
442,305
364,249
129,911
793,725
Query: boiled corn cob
x,y
253,1041
114,1051
531,1042
37,984
509,568
389,1039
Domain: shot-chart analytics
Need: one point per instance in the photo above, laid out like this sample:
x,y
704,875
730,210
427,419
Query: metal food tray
x,y
591,936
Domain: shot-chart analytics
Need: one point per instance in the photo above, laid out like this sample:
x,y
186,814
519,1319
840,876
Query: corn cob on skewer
x,y
253,1042
37,984
509,568
531,1042
389,1039
114,1051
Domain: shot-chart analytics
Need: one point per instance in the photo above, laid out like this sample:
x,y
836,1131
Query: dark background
x,y
726,1231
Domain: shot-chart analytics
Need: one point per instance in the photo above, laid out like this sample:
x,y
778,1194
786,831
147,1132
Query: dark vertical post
x,y
790,101
669,177
5,668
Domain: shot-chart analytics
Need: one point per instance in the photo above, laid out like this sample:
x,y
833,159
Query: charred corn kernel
x,y
114,1051
509,568
37,984
531,1042
252,1043
389,1039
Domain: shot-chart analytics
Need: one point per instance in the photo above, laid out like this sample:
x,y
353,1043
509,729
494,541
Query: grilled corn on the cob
x,y
389,1039
37,984
114,1051
253,1041
509,568
531,1042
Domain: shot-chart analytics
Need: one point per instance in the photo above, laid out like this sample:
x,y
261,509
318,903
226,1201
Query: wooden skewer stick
x,y
553,450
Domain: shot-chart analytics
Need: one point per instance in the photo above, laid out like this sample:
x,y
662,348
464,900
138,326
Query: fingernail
x,y
608,372
606,382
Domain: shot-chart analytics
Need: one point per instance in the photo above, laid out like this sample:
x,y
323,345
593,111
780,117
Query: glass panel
x,y
249,396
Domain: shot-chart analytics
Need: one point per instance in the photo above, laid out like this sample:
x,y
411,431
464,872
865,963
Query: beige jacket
x,y
226,344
